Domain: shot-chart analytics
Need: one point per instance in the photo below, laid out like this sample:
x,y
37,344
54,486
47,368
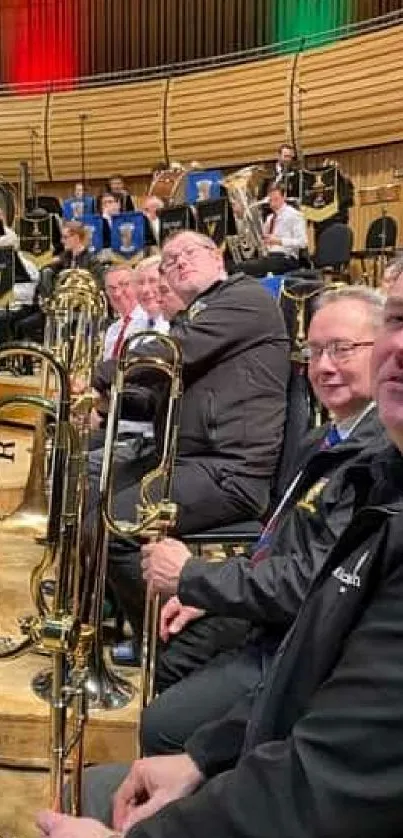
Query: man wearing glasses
x,y
320,751
316,507
235,371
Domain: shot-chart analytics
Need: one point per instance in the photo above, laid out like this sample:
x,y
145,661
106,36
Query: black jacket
x,y
323,751
318,510
235,372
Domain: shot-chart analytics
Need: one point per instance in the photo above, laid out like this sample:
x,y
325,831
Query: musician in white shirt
x,y
151,208
284,233
134,295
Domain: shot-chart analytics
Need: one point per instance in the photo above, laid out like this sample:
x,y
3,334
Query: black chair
x,y
333,251
380,244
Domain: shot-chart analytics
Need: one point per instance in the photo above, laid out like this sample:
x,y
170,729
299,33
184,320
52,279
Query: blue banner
x,y
94,227
127,234
202,186
74,209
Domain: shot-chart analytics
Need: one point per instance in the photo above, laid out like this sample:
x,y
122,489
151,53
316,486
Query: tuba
x,y
242,187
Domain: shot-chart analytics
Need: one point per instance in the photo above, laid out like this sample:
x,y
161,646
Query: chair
x,y
380,243
333,251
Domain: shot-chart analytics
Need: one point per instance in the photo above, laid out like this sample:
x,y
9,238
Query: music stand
x,y
378,195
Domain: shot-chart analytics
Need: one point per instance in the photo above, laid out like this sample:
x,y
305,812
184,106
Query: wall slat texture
x,y
227,117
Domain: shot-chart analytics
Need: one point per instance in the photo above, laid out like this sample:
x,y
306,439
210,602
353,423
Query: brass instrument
x,y
153,517
76,316
60,631
242,187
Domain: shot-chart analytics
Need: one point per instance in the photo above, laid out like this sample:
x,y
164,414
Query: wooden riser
x,y
28,385
24,718
23,794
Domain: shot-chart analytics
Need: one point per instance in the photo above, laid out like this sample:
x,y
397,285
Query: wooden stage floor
x,y
24,718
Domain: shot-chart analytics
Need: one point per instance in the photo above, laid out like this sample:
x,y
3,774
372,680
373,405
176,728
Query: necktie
x,y
121,336
272,221
332,438
151,323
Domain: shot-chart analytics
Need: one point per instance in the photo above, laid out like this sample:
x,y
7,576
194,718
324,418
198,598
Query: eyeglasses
x,y
337,350
189,252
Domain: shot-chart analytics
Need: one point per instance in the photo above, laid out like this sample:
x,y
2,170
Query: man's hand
x,y
162,564
175,616
63,826
270,239
151,784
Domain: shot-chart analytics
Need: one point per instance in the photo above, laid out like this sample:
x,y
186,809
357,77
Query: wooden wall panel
x,y
231,116
18,116
123,130
352,92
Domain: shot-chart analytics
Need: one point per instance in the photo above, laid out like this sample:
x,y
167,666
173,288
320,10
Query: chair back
x,y
334,247
382,232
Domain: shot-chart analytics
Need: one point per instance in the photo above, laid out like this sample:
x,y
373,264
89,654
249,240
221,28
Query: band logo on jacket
x,y
196,308
308,500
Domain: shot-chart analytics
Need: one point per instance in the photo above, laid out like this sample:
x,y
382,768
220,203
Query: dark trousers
x,y
203,696
205,498
275,263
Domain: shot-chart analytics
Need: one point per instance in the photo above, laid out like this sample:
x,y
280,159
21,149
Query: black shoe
x,y
125,654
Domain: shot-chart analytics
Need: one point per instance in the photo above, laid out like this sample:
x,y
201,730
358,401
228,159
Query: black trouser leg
x,y
200,698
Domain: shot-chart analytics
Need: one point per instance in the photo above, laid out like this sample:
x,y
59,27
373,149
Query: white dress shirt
x,y
23,291
290,227
139,320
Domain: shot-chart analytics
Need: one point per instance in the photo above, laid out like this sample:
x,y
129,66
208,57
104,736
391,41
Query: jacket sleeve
x,y
223,327
271,592
263,594
339,773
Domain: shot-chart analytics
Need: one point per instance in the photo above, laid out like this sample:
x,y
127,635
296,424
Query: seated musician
x,y
316,750
151,209
116,187
74,255
134,296
284,237
283,173
109,207
235,370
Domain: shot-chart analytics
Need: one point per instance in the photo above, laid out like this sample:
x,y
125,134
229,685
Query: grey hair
x,y
394,268
371,297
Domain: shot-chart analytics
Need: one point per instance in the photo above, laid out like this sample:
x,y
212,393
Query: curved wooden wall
x,y
230,116
123,130
18,116
353,92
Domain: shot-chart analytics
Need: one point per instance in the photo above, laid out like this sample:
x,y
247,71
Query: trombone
x,y
153,517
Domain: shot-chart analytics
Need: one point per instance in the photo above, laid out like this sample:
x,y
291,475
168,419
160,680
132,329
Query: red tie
x,y
121,336
272,223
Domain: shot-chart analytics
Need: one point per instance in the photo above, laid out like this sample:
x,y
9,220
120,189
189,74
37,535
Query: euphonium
x,y
153,517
